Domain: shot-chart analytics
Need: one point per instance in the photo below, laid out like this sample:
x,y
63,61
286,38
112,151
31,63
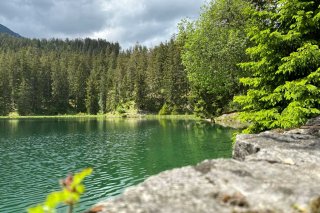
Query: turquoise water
x,y
36,153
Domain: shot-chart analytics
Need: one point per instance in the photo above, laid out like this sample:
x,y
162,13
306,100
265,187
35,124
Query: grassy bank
x,y
51,116
172,117
106,116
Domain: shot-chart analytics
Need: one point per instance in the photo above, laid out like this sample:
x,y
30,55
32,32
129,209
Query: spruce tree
x,y
60,88
285,65
24,100
92,101
5,89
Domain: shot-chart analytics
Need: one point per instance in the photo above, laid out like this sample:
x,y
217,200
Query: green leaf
x,y
68,195
54,198
78,178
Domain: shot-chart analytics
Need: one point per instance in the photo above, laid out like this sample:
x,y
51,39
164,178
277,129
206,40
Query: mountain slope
x,y
4,29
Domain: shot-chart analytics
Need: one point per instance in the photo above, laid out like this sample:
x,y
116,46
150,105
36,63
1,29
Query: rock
x,y
287,147
230,120
314,121
271,172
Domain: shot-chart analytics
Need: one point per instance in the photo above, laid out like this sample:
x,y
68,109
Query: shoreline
x,y
267,174
105,116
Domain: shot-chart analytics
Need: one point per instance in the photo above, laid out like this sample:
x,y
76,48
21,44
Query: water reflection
x,y
34,153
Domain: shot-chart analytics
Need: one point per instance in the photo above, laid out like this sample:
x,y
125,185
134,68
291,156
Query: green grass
x,y
147,116
193,117
53,116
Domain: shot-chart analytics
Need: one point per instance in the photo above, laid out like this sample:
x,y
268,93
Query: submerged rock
x,y
271,172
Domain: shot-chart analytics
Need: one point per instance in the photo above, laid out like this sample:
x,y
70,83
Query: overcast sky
x,y
125,21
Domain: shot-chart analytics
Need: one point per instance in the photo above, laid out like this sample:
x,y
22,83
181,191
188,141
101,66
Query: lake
x,y
36,153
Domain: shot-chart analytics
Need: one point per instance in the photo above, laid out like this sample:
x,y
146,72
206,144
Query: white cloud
x,y
126,21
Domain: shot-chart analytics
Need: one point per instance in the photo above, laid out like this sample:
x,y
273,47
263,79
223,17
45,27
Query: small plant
x,y
13,114
72,189
165,110
175,110
121,109
234,137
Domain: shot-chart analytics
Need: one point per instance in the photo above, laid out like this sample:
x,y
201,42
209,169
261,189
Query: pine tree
x,y
180,86
140,80
5,89
285,65
60,88
45,83
24,100
154,77
72,76
92,93
78,72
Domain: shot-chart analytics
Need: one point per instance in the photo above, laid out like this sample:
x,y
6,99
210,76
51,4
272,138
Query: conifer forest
x,y
260,58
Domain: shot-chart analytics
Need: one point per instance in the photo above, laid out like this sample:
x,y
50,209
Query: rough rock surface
x,y
270,172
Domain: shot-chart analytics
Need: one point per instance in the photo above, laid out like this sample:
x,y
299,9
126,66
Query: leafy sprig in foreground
x,y
72,189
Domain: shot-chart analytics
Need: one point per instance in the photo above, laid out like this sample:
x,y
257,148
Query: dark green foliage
x,y
285,65
213,46
165,110
92,96
78,76
5,89
197,72
25,98
59,88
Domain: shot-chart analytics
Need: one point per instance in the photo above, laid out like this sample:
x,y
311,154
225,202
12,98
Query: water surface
x,y
36,153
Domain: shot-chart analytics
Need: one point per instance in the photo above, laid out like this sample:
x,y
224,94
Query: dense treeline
x,y
213,47
262,54
255,56
93,76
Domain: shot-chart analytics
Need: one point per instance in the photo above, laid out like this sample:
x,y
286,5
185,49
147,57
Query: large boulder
x,y
274,171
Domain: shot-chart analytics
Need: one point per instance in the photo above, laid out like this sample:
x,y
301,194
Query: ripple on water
x,y
35,154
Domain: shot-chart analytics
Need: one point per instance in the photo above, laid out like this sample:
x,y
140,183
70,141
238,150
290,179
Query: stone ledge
x,y
270,172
